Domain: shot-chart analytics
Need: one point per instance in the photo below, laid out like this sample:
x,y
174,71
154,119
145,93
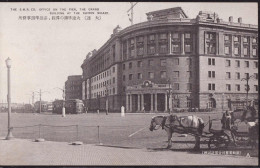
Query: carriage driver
x,y
226,120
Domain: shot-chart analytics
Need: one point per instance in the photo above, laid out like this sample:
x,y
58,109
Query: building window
x,y
123,77
228,75
189,103
114,69
114,80
163,62
237,63
139,76
227,38
237,87
254,51
187,35
228,63
245,39
256,75
211,86
211,74
237,75
130,65
130,76
175,48
176,74
236,39
211,48
176,86
139,64
245,51
189,87
236,50
247,64
246,75
228,87
151,50
256,64
256,88
163,74
187,48
211,61
132,52
254,40
140,51
227,49
176,61
150,62
163,36
151,75
163,48
123,66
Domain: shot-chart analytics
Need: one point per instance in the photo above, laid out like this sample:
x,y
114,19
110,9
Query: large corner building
x,y
171,61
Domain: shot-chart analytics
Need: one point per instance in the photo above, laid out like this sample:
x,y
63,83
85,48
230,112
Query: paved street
x,y
27,152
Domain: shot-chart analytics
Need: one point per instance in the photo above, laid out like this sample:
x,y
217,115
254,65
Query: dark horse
x,y
247,114
182,124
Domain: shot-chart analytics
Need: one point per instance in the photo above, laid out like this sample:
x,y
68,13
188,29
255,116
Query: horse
x,y
247,114
182,124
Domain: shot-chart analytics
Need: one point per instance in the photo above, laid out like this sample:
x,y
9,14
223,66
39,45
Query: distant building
x,y
172,61
73,87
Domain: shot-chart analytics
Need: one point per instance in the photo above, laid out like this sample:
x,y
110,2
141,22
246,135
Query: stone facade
x,y
194,61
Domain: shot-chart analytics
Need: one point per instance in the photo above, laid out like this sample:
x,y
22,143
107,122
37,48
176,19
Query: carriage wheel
x,y
221,141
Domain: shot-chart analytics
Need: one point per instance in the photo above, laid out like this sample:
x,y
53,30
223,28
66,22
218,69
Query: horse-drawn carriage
x,y
227,136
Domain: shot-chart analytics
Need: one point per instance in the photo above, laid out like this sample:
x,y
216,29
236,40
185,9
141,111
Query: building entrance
x,y
161,102
147,102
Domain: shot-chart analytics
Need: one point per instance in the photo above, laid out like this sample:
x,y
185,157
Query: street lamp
x,y
8,65
247,78
63,103
168,96
106,99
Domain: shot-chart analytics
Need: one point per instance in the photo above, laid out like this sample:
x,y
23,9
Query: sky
x,y
44,53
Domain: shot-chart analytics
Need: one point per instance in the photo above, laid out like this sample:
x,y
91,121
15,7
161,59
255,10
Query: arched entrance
x,y
212,103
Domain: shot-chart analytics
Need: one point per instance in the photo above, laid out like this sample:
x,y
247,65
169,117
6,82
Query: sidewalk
x,y
27,152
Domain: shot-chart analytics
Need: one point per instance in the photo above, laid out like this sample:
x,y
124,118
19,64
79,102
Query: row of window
x,y
103,93
151,47
237,63
103,84
103,75
237,51
211,86
163,62
211,74
237,75
237,87
176,74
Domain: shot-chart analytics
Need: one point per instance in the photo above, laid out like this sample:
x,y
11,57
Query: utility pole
x,y
247,78
132,12
40,93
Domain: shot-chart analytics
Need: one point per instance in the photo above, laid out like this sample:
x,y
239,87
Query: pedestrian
x,y
226,120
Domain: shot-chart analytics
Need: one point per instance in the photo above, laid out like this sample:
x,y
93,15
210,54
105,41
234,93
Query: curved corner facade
x,y
169,63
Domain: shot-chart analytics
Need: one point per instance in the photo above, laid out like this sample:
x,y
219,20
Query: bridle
x,y
153,121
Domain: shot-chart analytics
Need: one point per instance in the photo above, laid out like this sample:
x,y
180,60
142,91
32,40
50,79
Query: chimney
x,y
239,20
230,19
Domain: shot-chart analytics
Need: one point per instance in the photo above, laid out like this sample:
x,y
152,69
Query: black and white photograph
x,y
129,84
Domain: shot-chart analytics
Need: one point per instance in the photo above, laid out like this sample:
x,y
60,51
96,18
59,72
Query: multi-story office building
x,y
73,87
172,61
